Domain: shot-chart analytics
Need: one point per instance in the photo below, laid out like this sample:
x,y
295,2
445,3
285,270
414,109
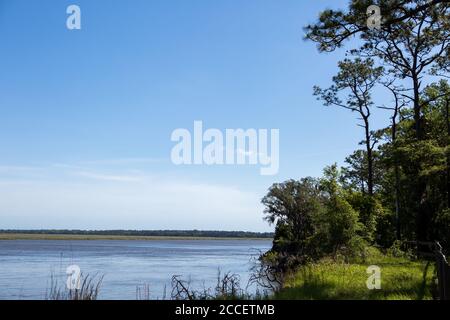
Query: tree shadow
x,y
423,285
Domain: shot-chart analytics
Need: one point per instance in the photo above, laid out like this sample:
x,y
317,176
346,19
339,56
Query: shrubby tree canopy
x,y
398,187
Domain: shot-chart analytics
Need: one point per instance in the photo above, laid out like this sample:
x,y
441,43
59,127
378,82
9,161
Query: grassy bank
x,y
25,236
401,279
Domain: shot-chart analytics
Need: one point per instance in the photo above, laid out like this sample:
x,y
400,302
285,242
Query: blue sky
x,y
86,115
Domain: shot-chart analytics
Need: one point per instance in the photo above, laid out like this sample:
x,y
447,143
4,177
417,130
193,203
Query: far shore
x,y
26,236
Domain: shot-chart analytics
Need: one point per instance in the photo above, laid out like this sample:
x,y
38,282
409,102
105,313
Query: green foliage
x,y
385,234
338,225
292,206
414,163
399,186
441,224
370,210
397,250
356,250
313,218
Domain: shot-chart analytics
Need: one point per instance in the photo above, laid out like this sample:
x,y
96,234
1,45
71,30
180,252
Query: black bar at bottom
x,y
261,309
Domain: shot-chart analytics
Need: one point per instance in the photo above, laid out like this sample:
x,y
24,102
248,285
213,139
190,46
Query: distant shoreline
x,y
52,234
27,236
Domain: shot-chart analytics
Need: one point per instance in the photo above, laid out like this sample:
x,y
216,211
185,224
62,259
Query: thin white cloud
x,y
124,161
18,169
108,177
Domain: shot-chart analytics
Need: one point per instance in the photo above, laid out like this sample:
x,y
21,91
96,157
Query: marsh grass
x,y
89,289
143,292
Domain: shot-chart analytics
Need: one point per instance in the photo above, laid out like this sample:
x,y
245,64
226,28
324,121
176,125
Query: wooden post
x,y
443,273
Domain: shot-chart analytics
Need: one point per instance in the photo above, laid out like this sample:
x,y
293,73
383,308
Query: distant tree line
x,y
149,233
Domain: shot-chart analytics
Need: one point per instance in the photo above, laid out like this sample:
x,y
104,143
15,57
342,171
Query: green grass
x,y
401,279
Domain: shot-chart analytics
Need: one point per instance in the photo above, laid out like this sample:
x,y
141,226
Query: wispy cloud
x,y
100,196
108,177
116,169
153,203
124,161
19,169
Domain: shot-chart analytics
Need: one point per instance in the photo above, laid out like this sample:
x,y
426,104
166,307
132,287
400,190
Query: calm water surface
x,y
26,266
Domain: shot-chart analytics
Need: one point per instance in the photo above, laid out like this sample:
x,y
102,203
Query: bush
x,y
357,250
337,226
292,206
397,251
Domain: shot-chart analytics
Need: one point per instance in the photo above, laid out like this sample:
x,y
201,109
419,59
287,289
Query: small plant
x,y
227,288
269,272
143,292
89,289
397,250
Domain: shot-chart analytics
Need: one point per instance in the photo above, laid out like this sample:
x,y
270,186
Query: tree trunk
x,y
422,217
369,157
448,155
397,179
417,118
397,202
